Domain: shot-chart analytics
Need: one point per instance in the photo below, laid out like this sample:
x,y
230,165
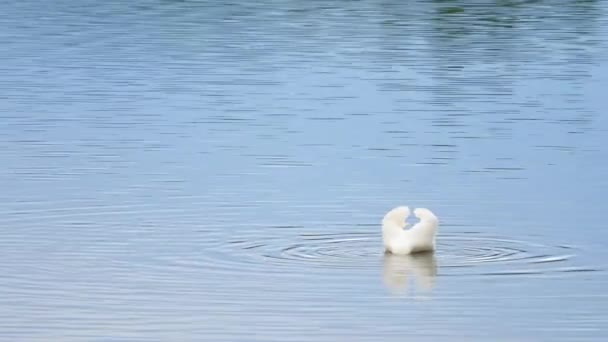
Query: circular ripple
x,y
463,253
457,254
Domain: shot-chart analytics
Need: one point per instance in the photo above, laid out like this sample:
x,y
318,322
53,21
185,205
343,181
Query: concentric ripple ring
x,y
457,253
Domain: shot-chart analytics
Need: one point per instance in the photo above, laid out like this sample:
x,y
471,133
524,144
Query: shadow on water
x,y
480,52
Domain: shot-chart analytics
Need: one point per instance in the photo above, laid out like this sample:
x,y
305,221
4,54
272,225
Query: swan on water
x,y
419,238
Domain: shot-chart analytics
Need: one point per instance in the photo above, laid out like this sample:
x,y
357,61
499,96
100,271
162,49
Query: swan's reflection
x,y
398,269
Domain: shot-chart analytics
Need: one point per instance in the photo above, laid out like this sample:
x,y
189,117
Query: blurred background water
x,y
217,171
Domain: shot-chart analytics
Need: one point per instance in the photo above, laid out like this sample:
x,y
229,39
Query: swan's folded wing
x,y
420,226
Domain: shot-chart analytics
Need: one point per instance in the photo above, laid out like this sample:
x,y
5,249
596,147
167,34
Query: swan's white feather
x,y
419,238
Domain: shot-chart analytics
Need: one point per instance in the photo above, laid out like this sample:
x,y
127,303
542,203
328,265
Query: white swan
x,y
419,238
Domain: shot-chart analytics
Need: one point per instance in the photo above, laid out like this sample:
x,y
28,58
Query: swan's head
x,y
397,216
425,214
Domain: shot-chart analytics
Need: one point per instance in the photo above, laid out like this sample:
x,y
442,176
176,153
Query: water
x,y
189,170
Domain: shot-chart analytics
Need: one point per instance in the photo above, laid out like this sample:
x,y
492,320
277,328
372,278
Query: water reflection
x,y
398,269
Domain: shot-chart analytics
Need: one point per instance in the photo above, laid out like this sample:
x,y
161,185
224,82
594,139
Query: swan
x,y
419,238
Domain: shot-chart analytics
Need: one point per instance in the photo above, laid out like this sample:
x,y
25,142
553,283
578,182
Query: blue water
x,y
205,171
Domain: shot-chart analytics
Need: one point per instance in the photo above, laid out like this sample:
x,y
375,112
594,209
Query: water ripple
x,y
457,254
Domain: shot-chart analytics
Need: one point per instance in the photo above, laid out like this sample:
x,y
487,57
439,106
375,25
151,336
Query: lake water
x,y
205,171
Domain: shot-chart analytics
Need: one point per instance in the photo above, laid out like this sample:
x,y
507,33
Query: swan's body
x,y
419,238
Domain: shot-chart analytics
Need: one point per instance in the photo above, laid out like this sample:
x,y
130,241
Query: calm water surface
x,y
205,171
